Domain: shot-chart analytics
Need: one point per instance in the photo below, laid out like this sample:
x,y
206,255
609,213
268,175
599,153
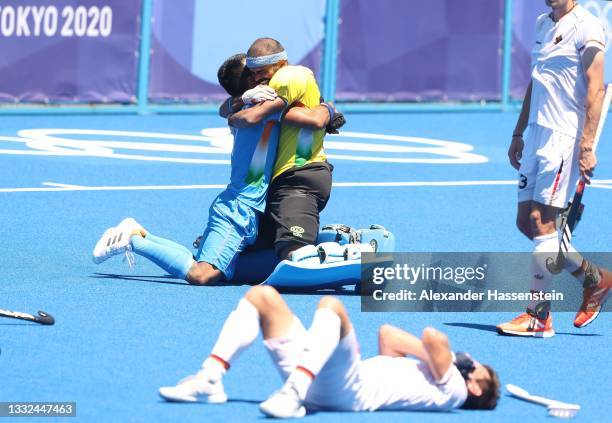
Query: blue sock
x,y
170,256
164,241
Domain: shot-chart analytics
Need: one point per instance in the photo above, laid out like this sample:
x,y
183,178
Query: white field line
x,y
422,183
55,186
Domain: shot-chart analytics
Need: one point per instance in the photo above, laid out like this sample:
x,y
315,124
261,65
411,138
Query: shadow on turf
x,y
171,280
488,328
322,291
492,328
165,279
230,400
20,324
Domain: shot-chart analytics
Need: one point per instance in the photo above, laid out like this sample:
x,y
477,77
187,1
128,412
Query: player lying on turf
x,y
562,108
234,214
323,369
302,177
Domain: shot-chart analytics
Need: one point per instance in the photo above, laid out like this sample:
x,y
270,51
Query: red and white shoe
x,y
528,324
593,300
594,296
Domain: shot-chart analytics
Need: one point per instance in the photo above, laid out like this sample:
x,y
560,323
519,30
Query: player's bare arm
x,y
593,63
254,115
257,94
395,342
515,151
433,347
303,117
438,349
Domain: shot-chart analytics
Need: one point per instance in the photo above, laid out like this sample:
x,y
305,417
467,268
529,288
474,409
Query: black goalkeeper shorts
x,y
295,199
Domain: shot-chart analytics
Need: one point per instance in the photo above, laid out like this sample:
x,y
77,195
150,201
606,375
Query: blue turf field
x,y
118,338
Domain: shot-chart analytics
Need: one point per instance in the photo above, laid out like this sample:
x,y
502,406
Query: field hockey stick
x,y
42,318
555,408
555,266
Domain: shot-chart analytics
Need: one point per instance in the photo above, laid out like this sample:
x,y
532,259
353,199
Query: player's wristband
x,y
330,109
515,135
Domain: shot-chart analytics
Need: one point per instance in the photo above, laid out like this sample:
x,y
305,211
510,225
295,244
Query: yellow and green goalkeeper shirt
x,y
297,146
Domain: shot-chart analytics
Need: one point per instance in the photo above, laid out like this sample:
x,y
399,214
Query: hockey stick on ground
x,y
555,408
42,318
555,266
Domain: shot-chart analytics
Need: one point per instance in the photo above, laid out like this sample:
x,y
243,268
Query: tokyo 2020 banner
x,y
68,51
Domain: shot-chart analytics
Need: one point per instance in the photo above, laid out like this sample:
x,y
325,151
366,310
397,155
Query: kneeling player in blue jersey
x,y
234,215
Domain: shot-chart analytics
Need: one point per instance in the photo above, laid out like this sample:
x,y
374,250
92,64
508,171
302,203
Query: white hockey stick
x,y
555,408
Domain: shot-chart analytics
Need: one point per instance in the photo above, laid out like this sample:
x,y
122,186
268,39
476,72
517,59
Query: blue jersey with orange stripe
x,y
252,162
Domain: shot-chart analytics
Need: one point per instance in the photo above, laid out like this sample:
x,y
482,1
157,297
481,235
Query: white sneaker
x,y
195,388
283,404
130,225
116,241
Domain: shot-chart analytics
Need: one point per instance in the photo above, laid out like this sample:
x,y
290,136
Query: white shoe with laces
x,y
117,241
195,388
283,404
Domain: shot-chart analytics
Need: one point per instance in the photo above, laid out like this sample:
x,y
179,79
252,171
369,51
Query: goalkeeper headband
x,y
270,59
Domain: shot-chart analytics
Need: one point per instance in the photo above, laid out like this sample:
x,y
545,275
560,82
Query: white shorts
x,y
337,385
549,167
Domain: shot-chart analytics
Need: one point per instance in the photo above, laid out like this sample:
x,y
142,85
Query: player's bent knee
x,y
202,274
199,280
262,294
330,302
334,305
386,334
384,331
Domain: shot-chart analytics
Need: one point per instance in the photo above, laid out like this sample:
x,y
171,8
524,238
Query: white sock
x,y
215,369
573,262
239,331
301,381
323,338
545,246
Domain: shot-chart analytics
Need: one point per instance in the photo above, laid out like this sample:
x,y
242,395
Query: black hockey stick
x,y
555,266
42,318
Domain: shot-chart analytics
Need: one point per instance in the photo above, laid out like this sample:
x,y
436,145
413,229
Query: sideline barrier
x,y
160,56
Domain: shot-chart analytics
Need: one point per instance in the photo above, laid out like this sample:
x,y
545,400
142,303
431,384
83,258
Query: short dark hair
x,y
490,393
233,75
264,47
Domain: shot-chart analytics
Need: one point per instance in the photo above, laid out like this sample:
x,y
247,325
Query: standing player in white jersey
x,y
561,109
323,369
